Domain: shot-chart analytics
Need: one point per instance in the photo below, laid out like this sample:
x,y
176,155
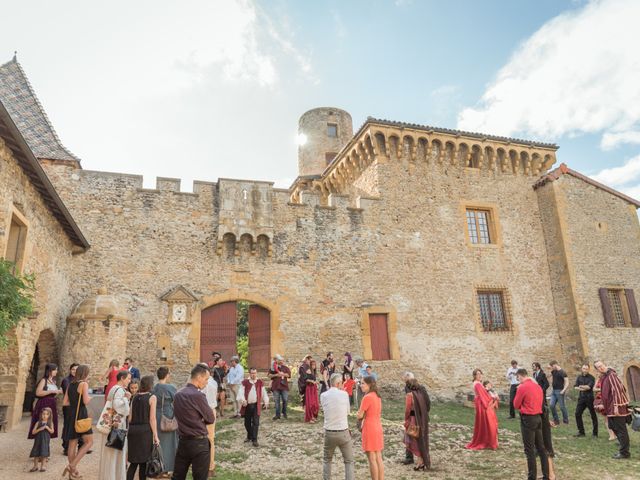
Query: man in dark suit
x,y
128,365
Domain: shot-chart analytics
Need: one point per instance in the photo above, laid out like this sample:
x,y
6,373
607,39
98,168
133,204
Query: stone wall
x,y
603,238
48,256
406,254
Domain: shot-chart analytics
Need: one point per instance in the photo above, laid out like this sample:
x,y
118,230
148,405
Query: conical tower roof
x,y
18,97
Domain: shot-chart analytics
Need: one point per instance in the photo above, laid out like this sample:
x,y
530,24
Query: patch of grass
x,y
224,474
232,457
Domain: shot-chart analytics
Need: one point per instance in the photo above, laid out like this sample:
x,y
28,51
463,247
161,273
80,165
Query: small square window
x,y
332,130
493,313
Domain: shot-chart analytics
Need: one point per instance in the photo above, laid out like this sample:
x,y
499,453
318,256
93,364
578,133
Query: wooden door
x,y
379,336
633,383
259,337
218,330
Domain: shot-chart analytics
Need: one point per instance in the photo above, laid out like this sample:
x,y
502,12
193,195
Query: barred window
x,y
492,311
479,226
616,308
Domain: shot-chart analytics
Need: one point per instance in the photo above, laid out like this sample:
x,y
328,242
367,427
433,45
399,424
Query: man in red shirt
x,y
528,400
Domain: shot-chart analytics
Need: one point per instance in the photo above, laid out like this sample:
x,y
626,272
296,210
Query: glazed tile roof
x,y
19,98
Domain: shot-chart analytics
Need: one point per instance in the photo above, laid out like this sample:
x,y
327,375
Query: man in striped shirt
x,y
615,405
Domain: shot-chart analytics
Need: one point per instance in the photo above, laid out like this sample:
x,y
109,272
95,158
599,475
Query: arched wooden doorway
x,y
218,333
633,383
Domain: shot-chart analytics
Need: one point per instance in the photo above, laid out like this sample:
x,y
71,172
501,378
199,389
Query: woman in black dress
x,y
142,429
77,398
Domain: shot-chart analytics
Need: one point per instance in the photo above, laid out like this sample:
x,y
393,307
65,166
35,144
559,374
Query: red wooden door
x,y
259,337
218,330
379,336
633,383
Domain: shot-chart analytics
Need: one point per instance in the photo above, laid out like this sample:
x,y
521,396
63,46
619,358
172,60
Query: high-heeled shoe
x,y
420,467
66,473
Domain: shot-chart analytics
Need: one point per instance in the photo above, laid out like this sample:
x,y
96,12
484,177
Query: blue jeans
x,y
281,396
557,397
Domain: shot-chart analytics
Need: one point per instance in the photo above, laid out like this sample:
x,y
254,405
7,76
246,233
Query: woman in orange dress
x,y
485,429
372,437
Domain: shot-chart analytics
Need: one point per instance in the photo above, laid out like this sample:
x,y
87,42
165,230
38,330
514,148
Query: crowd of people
x,y
528,395
176,427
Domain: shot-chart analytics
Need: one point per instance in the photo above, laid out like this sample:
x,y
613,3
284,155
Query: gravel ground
x,y
15,462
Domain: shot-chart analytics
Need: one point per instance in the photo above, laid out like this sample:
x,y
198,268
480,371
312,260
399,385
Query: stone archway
x,y
219,331
234,295
44,352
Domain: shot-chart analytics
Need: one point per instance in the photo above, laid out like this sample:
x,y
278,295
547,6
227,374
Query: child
x,y
349,383
42,431
489,388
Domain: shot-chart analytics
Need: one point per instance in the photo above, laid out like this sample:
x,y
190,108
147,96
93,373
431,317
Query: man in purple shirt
x,y
193,413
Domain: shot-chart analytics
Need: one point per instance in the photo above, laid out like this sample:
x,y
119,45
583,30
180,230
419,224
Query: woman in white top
x,y
112,460
46,392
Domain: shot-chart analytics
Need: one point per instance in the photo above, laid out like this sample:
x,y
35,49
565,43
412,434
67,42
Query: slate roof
x,y
462,133
19,98
555,174
15,141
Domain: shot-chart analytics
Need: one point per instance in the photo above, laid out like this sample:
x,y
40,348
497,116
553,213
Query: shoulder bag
x,y
108,416
116,438
167,424
413,430
84,424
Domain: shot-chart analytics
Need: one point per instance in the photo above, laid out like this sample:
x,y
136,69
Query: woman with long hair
x,y
347,366
143,429
485,428
110,376
416,423
77,398
311,404
46,391
165,393
372,435
113,461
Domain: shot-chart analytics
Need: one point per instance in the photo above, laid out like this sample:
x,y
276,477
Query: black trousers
x,y
531,429
512,395
195,453
619,427
583,404
252,421
131,471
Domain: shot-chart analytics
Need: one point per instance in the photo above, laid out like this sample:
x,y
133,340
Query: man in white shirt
x,y
235,376
513,380
211,392
335,405
252,394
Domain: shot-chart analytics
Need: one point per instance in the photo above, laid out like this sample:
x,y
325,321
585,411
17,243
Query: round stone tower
x,y
96,333
322,132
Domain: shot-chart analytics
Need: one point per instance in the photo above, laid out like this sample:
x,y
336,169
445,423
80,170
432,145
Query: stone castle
x,y
416,247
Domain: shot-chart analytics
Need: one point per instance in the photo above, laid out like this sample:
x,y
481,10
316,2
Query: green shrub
x,y
16,299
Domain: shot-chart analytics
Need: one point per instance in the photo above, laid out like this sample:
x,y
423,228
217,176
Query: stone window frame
x,y
330,126
495,230
392,331
507,307
15,216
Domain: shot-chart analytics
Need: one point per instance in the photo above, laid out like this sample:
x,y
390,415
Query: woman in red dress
x,y
110,376
311,404
372,436
485,429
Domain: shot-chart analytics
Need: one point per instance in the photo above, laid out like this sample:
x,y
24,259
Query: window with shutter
x,y
16,243
619,307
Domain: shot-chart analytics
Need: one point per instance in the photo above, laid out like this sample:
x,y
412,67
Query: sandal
x,y
34,469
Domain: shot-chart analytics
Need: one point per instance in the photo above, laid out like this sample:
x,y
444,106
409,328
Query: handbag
x,y
84,424
155,465
413,431
108,417
167,424
116,438
635,421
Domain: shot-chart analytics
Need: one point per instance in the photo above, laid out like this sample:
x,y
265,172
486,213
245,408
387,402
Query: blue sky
x,y
210,89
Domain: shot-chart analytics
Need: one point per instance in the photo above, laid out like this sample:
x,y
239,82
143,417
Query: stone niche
x,y
95,334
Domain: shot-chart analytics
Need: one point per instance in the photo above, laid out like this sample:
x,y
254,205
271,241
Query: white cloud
x,y
620,176
579,73
612,140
